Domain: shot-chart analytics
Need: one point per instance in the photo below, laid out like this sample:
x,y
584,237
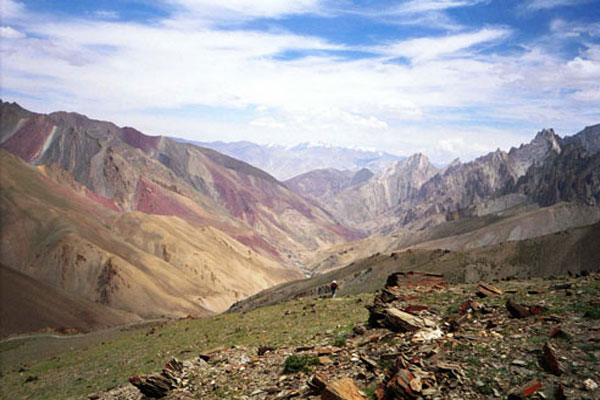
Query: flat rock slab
x,y
342,389
400,321
487,290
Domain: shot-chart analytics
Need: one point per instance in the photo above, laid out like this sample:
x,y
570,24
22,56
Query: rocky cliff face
x,y
573,175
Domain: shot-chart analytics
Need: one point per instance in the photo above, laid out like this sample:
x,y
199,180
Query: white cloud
x,y
428,48
119,70
7,32
536,5
10,9
247,8
419,6
561,28
428,13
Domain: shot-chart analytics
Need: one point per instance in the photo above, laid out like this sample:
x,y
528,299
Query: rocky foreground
x,y
423,339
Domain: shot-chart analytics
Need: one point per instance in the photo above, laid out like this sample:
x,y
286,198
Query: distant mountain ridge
x,y
287,162
413,193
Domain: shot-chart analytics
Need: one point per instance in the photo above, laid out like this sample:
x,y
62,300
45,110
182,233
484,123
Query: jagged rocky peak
x,y
544,143
547,137
418,160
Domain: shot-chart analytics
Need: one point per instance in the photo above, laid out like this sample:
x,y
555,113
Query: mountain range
x,y
105,225
142,223
286,162
414,194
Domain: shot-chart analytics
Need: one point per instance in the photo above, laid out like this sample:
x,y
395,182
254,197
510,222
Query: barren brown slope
x,y
28,305
465,233
157,175
574,251
146,264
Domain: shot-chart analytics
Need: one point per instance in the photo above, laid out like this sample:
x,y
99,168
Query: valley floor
x,y
491,353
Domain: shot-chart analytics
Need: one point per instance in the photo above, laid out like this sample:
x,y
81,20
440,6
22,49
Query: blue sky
x,y
449,78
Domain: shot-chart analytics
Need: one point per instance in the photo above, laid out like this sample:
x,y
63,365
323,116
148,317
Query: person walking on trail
x,y
334,287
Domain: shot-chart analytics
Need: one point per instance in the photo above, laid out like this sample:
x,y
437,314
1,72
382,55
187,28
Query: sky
x,y
448,78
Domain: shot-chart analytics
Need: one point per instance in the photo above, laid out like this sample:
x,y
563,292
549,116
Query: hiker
x,y
334,287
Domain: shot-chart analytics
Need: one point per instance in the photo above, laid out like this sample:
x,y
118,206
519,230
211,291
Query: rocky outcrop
x,y
545,143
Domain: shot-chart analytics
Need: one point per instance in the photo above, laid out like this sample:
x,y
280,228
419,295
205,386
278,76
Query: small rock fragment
x,y
590,385
153,386
559,332
562,286
209,354
517,310
487,290
264,349
426,335
402,386
324,360
317,383
525,390
342,389
551,360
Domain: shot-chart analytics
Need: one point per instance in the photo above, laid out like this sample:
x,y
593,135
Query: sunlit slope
x,y
146,264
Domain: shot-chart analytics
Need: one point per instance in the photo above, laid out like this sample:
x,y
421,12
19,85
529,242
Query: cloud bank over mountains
x,y
449,78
